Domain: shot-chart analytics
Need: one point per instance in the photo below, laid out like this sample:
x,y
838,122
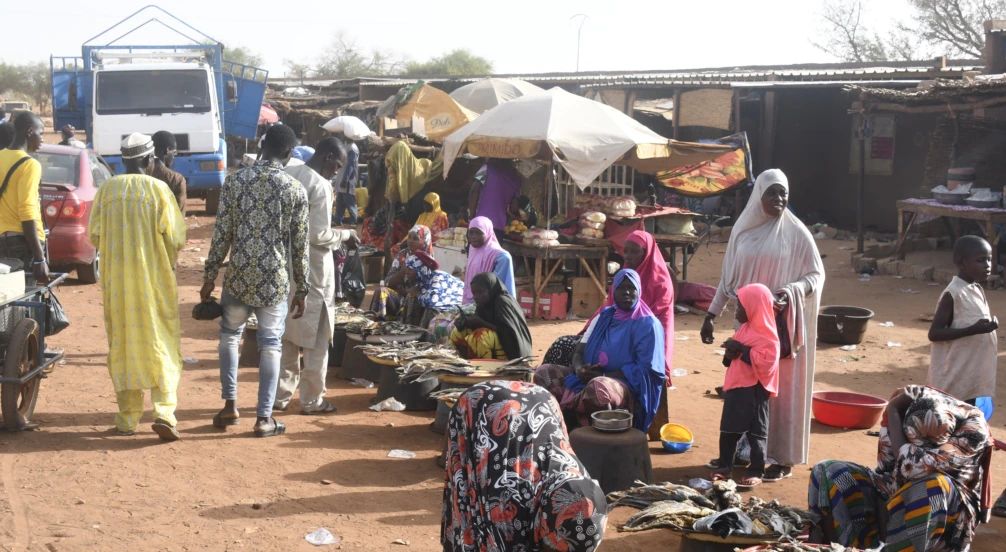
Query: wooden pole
x,y
862,183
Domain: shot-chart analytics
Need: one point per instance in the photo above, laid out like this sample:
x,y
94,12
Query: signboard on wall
x,y
879,145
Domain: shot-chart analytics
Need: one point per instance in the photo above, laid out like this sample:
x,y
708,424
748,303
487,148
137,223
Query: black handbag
x,y
55,317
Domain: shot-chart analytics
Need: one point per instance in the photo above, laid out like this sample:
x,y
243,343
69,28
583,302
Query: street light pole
x,y
579,30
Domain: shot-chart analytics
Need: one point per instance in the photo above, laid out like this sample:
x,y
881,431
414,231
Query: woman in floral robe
x,y
513,483
929,489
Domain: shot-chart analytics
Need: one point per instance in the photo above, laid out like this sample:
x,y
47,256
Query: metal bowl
x,y
984,203
611,420
950,198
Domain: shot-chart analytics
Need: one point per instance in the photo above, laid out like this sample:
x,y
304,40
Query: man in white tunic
x,y
312,333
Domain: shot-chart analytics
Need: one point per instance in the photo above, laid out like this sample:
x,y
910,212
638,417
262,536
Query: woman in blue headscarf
x,y
619,362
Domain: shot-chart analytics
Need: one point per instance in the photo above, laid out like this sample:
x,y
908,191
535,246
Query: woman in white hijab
x,y
770,246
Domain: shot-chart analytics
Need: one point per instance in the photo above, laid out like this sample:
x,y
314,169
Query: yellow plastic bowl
x,y
676,438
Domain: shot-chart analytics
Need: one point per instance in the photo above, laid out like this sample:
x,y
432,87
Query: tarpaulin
x,y
709,178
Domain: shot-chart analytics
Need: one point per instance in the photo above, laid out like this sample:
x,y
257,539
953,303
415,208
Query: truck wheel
x,y
89,273
212,201
16,400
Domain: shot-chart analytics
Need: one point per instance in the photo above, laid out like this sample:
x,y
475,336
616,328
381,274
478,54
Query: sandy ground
x,y
72,485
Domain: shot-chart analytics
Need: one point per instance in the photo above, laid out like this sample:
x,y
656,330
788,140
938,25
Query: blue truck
x,y
115,88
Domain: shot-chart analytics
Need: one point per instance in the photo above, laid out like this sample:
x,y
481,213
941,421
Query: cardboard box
x,y
551,305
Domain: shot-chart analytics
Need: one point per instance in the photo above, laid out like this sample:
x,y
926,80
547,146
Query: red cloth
x,y
658,292
759,333
617,233
697,295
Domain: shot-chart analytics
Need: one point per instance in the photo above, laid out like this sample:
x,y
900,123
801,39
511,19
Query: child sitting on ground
x,y
964,353
752,361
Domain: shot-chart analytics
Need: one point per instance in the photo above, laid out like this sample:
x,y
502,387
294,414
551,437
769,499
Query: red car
x,y
70,179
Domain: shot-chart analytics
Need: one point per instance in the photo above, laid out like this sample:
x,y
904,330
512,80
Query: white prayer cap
x,y
137,145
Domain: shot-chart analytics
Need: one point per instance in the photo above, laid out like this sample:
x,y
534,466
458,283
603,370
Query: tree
x,y
297,70
244,56
953,27
344,57
29,80
457,62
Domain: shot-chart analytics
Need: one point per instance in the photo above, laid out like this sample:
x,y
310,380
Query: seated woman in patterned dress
x,y
393,301
512,481
930,487
498,329
436,290
619,363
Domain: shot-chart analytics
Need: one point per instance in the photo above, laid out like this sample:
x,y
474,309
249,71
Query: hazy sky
x,y
518,36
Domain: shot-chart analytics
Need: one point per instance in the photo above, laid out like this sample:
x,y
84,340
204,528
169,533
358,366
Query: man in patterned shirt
x,y
262,222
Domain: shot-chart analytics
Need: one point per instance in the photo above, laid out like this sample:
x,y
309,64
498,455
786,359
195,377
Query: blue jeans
x,y
343,201
271,324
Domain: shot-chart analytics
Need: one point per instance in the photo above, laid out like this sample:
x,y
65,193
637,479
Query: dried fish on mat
x,y
642,496
795,546
666,514
725,495
447,394
404,351
366,250
772,517
518,366
422,369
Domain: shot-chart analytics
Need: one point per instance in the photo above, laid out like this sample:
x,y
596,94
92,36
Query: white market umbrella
x,y
584,136
483,95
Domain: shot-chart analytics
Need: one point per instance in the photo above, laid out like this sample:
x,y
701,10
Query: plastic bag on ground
x,y
403,454
321,537
388,404
725,523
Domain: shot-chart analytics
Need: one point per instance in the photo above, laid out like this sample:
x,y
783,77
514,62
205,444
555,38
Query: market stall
x,y
912,210
588,143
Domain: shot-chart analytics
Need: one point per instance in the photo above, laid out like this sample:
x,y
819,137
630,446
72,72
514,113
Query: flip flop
x,y
325,408
278,428
222,423
719,476
748,483
165,431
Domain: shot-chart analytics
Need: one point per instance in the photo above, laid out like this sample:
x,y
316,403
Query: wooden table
x,y
554,256
673,242
910,209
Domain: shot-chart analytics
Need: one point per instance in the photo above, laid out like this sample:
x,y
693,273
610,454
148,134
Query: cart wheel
x,y
18,401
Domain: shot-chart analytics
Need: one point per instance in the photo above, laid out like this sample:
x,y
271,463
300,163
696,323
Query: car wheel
x,y
89,273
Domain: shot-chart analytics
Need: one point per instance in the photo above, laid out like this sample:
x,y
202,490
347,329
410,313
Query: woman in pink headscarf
x,y
643,256
486,255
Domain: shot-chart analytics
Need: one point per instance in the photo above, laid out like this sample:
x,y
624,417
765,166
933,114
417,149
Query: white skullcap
x,y
137,145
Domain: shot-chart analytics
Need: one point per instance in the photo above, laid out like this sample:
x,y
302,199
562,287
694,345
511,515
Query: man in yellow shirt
x,y
21,230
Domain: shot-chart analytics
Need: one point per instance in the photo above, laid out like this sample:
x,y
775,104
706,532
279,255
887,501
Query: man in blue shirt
x,y
345,182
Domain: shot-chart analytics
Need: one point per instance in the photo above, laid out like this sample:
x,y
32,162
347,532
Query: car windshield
x,y
151,92
58,169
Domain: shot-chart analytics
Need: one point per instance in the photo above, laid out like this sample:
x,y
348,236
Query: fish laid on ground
x,y
643,495
666,514
447,394
773,517
795,546
724,494
404,351
422,369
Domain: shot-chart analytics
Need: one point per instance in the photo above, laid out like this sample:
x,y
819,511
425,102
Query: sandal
x,y
748,483
165,431
221,422
325,408
719,476
777,473
278,428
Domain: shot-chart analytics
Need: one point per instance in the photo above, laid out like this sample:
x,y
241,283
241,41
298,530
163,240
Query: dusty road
x,y
73,485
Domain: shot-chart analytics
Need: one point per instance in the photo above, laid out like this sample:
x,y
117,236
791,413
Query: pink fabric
x,y
481,259
759,333
658,292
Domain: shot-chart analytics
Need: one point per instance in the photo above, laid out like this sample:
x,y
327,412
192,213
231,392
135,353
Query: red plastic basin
x,y
848,410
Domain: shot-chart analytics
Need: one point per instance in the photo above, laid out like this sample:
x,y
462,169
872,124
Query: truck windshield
x,y
150,92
